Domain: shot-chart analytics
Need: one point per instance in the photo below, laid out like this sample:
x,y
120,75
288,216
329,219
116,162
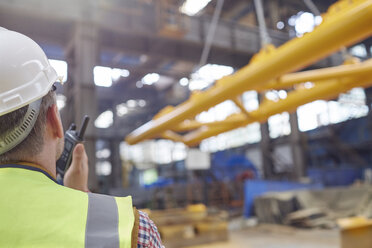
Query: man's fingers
x,y
76,176
79,150
78,154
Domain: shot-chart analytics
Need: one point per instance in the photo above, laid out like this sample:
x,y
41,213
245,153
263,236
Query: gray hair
x,y
34,142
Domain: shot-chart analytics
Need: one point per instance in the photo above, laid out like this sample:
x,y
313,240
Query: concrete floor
x,y
273,236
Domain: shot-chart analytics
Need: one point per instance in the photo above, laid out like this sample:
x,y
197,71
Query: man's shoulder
x,y
148,234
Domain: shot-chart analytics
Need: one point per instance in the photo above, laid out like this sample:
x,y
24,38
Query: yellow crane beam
x,y
289,80
357,69
325,90
345,23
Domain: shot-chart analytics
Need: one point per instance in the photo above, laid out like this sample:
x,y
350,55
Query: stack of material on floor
x,y
191,226
314,208
355,232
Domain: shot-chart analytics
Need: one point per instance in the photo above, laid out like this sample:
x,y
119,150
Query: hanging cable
x,y
211,32
264,35
312,7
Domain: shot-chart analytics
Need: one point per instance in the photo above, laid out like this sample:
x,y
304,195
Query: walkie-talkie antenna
x,y
84,125
72,126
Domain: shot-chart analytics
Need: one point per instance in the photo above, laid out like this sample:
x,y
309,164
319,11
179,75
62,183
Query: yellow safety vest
x,y
37,212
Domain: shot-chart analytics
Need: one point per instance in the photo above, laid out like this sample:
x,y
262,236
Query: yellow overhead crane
x,y
345,23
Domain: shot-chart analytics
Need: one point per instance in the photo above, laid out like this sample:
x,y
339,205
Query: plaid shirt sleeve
x,y
148,235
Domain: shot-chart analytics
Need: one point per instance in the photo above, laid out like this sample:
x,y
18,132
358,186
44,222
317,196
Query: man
x,y
35,211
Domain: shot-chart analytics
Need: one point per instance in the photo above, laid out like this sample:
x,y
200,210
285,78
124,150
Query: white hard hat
x,y
25,77
25,72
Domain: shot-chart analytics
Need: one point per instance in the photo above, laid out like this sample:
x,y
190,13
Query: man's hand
x,y
76,176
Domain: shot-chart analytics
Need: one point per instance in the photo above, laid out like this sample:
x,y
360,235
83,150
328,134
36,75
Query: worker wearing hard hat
x,y
35,211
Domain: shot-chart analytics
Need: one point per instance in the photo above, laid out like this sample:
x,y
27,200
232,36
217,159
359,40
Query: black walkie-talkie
x,y
72,138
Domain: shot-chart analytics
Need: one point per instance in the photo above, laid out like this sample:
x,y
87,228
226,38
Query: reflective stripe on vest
x,y
37,212
102,222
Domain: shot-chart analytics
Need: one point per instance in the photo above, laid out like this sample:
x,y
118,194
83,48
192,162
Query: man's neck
x,y
46,159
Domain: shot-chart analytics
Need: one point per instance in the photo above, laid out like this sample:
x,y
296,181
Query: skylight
x,y
192,7
104,76
207,74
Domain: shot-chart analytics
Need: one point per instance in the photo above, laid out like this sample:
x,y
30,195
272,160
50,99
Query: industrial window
x,y
279,125
238,137
103,168
319,113
359,50
61,68
149,153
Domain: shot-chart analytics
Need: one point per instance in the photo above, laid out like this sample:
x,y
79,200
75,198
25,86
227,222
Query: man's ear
x,y
54,122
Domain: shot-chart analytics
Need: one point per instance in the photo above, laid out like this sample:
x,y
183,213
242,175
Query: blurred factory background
x,y
124,61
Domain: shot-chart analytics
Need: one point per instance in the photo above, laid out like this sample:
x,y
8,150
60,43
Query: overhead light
x,y
318,20
207,74
136,103
198,84
103,168
292,20
61,68
116,73
124,108
121,109
184,81
139,84
141,103
131,103
359,50
191,7
104,120
280,25
304,22
308,85
61,101
214,72
104,76
272,95
150,78
282,94
143,58
104,153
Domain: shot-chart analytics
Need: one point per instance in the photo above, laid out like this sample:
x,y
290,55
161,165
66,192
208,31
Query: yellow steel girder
x,y
324,90
286,81
345,23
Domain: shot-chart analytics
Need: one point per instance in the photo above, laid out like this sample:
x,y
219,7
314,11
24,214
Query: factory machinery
x,y
345,23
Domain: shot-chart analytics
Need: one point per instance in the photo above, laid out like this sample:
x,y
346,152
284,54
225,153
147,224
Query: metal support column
x,y
84,56
368,92
266,147
266,151
297,148
116,173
